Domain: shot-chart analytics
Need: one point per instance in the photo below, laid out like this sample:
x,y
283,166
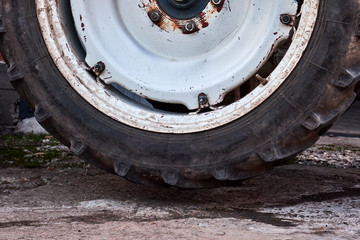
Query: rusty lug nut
x,y
217,2
155,16
99,67
203,99
285,19
190,27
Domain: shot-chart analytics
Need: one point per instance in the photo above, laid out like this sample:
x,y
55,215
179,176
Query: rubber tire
x,y
321,87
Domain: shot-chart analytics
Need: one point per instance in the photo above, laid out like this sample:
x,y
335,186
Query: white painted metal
x,y
141,117
171,67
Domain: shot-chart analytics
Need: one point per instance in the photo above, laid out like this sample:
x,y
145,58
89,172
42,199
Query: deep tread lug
x,y
346,78
14,74
268,155
77,147
312,122
121,168
41,114
220,174
170,177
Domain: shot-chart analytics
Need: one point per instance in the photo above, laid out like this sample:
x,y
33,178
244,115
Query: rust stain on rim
x,y
170,24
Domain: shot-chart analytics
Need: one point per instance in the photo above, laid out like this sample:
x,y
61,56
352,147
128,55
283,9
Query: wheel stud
x,y
262,80
155,16
217,2
203,99
285,19
190,27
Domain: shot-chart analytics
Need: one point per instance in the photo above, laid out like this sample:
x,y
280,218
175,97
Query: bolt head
x,y
203,99
190,27
285,19
217,2
155,16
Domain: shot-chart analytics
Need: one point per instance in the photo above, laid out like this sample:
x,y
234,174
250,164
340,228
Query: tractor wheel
x,y
192,93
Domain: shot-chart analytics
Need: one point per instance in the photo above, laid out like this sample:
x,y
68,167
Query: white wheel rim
x,y
143,117
168,66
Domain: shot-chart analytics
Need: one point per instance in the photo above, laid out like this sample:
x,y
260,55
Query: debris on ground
x,y
332,156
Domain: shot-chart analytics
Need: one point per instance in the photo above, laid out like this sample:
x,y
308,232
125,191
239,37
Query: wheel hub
x,y
182,9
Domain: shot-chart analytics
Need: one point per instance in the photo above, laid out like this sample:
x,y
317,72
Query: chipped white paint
x,y
120,108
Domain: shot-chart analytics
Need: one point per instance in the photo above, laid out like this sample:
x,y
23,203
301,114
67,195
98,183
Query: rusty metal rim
x,y
141,117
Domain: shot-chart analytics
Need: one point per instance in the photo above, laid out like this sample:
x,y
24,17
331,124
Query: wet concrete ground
x,y
81,202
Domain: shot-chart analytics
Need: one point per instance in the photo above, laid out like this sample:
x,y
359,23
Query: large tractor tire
x,y
193,93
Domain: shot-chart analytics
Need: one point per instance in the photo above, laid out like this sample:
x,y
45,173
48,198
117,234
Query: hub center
x,y
182,3
183,9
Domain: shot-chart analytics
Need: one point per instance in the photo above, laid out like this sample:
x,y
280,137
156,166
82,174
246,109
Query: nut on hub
x,y
285,19
155,15
203,99
190,27
217,2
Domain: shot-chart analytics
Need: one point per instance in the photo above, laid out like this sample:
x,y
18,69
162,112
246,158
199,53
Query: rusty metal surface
x,y
169,23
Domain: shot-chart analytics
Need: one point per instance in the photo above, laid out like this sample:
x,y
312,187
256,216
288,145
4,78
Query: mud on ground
x,y
63,198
